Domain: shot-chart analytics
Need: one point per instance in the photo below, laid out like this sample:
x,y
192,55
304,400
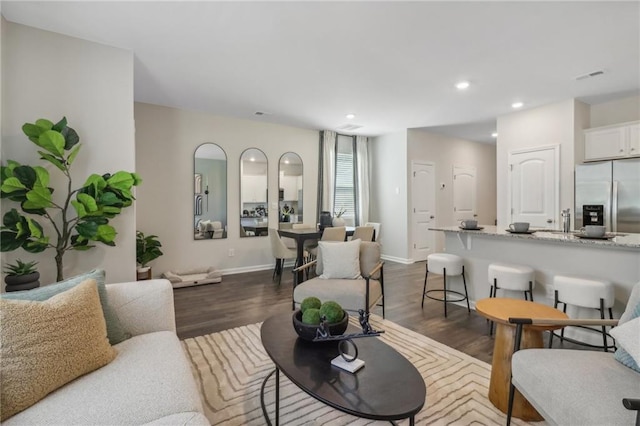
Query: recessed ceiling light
x,y
351,116
494,134
462,85
517,105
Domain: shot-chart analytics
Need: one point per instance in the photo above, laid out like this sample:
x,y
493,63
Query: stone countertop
x,y
621,240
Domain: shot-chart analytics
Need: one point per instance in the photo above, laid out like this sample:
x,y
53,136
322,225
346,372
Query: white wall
x,y
617,111
447,152
389,198
166,140
553,124
48,75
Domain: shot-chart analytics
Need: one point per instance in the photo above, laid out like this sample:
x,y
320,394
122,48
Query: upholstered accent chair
x,y
281,252
582,387
350,273
364,233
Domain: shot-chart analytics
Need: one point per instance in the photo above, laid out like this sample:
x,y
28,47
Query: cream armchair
x,y
362,290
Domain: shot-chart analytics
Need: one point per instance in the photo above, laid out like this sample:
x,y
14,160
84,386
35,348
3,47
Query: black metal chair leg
x,y
281,271
604,329
444,271
531,290
466,295
555,306
424,289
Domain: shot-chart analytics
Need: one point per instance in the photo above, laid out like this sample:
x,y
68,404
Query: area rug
x,y
230,366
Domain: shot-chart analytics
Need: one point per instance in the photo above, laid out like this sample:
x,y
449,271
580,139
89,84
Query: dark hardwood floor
x,y
248,298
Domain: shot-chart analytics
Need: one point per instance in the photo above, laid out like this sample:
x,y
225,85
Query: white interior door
x,y
423,198
464,193
535,186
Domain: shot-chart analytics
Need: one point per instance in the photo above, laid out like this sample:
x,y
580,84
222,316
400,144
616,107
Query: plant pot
x,y
308,331
338,221
22,282
143,273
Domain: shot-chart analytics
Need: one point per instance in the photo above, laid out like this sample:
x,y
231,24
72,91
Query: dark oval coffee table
x,y
389,387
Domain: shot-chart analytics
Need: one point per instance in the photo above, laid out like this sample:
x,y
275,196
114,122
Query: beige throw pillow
x,y
44,345
339,260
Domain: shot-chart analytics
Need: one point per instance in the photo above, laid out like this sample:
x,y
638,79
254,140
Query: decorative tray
x,y
479,228
516,232
606,236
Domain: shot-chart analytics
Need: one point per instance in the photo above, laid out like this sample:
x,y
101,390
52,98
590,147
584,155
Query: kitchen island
x,y
549,253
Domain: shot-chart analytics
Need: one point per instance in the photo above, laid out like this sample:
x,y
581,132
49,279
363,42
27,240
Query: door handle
x,y
475,215
432,217
549,220
614,207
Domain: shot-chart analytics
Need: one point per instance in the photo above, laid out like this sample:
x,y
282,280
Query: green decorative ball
x,y
311,316
332,310
310,302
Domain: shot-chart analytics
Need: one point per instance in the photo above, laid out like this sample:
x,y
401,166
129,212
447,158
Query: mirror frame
x,y
202,183
298,207
262,232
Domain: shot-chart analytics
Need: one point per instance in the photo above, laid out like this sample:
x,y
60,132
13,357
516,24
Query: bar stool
x,y
584,293
447,265
512,277
508,276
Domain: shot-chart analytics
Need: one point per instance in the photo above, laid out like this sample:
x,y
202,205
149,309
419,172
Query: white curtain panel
x,y
328,170
362,170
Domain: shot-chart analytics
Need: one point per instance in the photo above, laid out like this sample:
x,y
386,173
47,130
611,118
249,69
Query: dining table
x,y
300,235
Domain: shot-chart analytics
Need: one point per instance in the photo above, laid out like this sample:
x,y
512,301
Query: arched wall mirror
x,y
254,221
290,189
210,192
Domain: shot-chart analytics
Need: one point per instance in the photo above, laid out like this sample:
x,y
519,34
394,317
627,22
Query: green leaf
x,y
109,199
35,246
121,180
38,198
60,125
11,218
95,180
32,131
137,180
71,138
34,228
12,184
9,241
73,154
42,176
53,142
53,160
112,210
80,210
88,202
23,231
106,233
45,124
26,174
88,230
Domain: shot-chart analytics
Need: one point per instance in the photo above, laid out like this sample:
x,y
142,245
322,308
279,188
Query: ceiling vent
x,y
590,75
348,127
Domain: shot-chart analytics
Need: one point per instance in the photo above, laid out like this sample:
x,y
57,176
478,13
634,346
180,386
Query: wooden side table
x,y
500,310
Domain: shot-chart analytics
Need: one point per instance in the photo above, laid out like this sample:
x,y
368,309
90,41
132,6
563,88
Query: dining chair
x,y
331,233
281,252
376,226
364,233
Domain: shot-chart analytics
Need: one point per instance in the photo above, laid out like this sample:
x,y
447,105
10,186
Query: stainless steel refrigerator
x,y
609,192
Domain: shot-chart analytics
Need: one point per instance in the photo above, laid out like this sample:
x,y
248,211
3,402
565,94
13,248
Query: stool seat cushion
x,y
438,262
584,291
510,276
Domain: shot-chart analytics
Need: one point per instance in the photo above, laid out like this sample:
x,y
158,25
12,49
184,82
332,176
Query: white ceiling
x,y
393,64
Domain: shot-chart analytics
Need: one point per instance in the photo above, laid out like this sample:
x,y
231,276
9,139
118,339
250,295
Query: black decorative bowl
x,y
308,332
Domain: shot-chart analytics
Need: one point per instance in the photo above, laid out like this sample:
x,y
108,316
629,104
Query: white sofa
x,y
149,382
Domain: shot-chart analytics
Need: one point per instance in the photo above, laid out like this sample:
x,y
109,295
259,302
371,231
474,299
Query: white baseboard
x,y
397,259
244,269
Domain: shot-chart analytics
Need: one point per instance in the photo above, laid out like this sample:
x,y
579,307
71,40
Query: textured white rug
x,y
230,366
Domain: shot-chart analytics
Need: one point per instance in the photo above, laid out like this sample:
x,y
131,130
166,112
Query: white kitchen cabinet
x,y
289,184
616,141
254,189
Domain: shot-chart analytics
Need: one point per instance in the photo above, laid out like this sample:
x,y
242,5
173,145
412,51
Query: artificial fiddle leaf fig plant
x,y
77,216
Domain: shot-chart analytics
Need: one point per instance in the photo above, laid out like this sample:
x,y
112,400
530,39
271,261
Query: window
x,y
345,189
